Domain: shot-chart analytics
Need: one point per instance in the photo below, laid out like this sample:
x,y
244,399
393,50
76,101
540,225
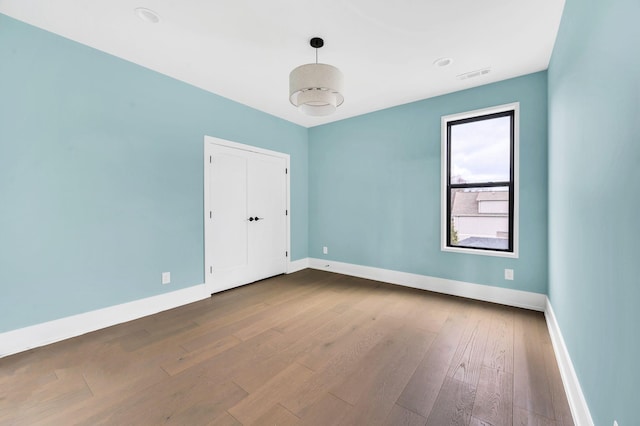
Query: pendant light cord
x,y
316,43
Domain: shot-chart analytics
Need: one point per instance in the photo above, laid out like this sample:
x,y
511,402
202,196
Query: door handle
x,y
250,219
258,218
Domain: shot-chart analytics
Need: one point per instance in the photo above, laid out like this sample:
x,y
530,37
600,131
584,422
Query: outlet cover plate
x,y
508,274
166,277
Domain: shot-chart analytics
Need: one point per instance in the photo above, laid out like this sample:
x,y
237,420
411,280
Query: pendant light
x,y
315,89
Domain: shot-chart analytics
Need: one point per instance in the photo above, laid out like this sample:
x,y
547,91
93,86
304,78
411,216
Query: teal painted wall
x,y
594,181
101,176
374,185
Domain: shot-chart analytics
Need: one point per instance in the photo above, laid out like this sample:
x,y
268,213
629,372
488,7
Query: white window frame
x,y
516,177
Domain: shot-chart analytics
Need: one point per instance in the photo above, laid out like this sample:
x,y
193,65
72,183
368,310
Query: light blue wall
x,y
374,185
101,176
594,193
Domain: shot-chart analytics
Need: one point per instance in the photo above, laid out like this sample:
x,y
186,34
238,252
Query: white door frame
x,y
210,140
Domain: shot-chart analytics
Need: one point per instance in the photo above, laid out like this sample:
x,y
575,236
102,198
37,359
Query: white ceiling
x,y
244,49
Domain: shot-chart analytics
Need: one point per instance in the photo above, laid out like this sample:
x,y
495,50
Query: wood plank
x,y
326,410
424,310
154,335
252,320
15,393
189,359
308,320
220,316
395,357
499,352
467,361
195,408
80,412
216,370
362,329
421,392
225,419
283,385
246,355
179,401
400,416
278,415
68,390
287,348
277,316
558,396
494,397
340,358
113,371
476,422
531,387
522,417
383,374
454,404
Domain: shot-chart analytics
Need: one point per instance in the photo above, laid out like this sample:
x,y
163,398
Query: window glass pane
x,y
480,218
480,151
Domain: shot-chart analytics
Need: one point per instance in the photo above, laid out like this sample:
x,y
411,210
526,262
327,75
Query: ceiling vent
x,y
472,74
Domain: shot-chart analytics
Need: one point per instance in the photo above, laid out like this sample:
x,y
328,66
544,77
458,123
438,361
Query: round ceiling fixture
x,y
147,15
316,89
442,62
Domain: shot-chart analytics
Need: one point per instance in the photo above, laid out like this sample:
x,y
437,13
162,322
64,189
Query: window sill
x,y
513,255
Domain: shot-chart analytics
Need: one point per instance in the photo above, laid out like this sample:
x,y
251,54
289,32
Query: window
x,y
479,181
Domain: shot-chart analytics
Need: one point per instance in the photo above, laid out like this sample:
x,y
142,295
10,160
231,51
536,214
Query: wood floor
x,y
311,348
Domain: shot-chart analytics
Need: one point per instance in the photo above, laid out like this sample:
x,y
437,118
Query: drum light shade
x,y
316,89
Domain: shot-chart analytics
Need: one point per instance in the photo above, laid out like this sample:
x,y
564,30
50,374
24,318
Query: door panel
x,y
267,201
229,213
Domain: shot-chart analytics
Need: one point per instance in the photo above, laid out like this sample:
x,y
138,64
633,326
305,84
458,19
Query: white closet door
x,y
267,204
245,216
228,239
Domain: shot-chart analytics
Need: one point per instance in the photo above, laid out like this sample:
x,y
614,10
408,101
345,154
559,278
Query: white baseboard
x,y
297,265
504,296
34,336
577,402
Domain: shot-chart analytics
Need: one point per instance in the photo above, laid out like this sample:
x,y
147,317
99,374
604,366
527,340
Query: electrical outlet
x,y
325,250
508,274
615,423
166,277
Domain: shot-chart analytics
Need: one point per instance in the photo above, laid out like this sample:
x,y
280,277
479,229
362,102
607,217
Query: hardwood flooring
x,y
310,348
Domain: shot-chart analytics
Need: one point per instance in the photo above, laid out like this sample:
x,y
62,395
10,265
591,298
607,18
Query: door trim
x,y
209,141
